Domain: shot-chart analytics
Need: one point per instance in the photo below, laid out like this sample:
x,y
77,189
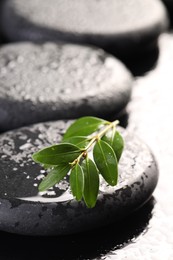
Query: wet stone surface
x,y
0,23
120,27
169,6
50,81
150,116
168,2
24,211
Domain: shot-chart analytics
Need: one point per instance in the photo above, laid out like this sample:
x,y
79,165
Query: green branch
x,y
71,156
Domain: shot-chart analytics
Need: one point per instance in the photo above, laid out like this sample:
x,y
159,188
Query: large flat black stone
x,y
24,211
42,82
121,27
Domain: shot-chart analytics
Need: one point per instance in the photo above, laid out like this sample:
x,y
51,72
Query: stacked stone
x,y
119,27
49,81
61,63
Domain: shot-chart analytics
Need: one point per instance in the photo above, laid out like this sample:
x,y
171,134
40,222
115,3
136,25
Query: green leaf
x,y
106,162
79,141
84,126
115,140
91,182
57,154
53,177
77,182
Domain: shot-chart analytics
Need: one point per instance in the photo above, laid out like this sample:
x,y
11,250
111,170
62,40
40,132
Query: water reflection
x,y
89,245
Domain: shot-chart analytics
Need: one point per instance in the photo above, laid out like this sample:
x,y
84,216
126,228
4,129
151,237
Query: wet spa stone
x,y
169,5
24,211
0,22
120,26
55,81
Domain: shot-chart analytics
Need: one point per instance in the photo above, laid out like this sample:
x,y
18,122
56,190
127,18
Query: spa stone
x,y
120,27
42,82
24,211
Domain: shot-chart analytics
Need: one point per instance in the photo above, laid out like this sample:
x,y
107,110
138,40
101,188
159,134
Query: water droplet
x,y
51,193
20,59
3,156
25,146
54,65
11,64
3,70
39,177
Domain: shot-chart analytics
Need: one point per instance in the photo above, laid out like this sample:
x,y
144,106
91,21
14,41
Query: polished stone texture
x,y
148,233
168,2
41,82
121,27
0,22
24,211
169,6
150,116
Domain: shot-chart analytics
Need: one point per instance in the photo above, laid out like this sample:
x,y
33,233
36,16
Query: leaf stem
x,y
111,125
93,140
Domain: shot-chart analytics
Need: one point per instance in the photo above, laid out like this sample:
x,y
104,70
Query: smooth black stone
x,y
100,242
42,82
23,211
0,22
168,2
120,27
169,5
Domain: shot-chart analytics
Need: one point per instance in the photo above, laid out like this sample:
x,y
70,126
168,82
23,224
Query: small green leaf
x,y
77,182
91,182
84,126
115,140
106,162
79,141
54,176
57,154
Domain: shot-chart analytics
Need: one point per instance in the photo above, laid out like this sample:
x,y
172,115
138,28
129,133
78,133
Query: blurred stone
x,y
169,5
24,211
41,82
168,2
150,117
121,27
0,22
